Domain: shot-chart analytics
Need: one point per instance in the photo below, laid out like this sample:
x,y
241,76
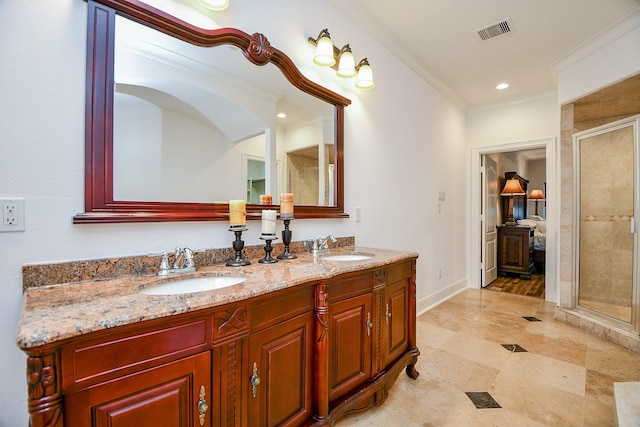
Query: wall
x,y
531,123
404,142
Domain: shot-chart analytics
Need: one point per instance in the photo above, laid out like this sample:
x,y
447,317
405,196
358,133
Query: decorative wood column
x,y
321,356
44,389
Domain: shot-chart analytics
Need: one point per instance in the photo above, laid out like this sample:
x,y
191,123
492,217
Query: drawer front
x,y
350,286
112,355
398,272
281,306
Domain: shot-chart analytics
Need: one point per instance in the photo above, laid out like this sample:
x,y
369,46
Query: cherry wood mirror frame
x,y
99,204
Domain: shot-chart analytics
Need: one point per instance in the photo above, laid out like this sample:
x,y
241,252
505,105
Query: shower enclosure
x,y
607,170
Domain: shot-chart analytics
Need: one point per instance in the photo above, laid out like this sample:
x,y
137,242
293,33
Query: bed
x,y
539,239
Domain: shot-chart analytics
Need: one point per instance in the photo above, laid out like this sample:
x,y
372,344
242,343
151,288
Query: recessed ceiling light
x,y
502,86
281,115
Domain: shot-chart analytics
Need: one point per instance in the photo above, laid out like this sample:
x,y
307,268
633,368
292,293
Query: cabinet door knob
x,y
387,314
202,406
369,324
255,380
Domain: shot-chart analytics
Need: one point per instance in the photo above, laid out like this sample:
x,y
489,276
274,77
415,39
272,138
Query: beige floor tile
x,y
477,350
597,414
457,372
619,363
501,417
515,305
557,348
542,403
529,368
599,387
429,402
432,335
494,326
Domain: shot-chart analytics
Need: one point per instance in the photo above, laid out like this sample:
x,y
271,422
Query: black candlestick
x,y
267,249
286,239
238,245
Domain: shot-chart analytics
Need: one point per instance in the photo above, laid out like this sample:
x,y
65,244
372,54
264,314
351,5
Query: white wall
x,y
530,123
404,142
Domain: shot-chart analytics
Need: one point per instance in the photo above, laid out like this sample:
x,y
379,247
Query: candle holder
x,y
267,249
238,245
286,239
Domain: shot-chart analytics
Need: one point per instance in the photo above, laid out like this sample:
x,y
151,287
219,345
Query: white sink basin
x,y
189,286
347,257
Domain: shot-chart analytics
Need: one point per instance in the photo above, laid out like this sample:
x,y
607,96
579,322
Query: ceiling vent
x,y
494,30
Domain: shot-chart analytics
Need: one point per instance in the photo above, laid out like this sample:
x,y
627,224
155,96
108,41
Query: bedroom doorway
x,y
480,253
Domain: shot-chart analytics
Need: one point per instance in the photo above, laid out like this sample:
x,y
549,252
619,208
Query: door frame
x,y
476,231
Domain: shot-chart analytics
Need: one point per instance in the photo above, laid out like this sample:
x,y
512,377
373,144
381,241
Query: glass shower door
x,y
607,208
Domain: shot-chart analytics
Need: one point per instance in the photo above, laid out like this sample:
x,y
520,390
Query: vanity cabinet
x,y
300,356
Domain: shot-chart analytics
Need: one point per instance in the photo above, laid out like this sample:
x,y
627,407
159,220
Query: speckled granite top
x,y
56,312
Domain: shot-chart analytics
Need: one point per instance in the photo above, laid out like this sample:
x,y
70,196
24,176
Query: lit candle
x,y
237,213
269,222
266,199
286,205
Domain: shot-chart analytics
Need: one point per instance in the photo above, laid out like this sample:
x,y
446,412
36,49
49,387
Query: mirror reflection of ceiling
x,y
222,86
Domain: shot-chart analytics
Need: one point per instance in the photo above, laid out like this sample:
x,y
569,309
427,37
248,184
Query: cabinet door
x,y
395,327
350,337
171,395
281,369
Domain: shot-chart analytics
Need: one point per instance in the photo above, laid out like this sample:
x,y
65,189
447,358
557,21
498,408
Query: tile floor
x,y
563,378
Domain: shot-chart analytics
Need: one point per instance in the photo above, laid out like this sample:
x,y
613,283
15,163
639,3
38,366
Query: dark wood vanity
x,y
305,354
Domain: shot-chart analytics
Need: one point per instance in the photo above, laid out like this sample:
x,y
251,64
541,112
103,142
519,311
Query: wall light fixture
x,y
216,5
341,60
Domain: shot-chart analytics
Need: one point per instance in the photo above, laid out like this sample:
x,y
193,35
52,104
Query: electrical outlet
x,y
12,211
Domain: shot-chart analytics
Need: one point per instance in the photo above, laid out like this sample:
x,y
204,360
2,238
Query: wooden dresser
x,y
515,251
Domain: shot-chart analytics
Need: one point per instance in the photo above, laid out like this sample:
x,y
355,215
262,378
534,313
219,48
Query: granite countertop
x,y
57,312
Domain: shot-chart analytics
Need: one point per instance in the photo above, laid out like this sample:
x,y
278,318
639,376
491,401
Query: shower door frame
x,y
634,325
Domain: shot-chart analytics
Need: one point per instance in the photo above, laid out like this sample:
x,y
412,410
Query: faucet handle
x,y
164,264
188,258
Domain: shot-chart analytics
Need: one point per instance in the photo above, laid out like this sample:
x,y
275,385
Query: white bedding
x,y
539,234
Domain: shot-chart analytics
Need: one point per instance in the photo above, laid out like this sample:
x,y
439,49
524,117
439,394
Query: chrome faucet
x,y
182,262
319,245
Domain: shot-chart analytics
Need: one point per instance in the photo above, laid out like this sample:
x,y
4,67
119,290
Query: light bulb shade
x,y
215,4
365,75
347,64
512,188
536,195
324,51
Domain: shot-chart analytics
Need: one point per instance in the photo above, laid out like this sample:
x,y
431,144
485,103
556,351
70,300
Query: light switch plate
x,y
12,212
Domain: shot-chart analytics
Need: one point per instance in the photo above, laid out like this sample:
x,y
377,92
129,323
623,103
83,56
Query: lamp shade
x,y
536,195
512,188
365,75
324,50
347,64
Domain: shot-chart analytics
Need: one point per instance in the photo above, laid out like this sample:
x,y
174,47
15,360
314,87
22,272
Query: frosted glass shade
x,y
347,64
365,77
324,52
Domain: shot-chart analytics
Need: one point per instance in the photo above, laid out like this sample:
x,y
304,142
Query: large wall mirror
x,y
180,120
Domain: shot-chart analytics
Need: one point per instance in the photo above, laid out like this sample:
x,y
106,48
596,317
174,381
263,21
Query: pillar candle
x,y
286,205
237,213
269,222
266,199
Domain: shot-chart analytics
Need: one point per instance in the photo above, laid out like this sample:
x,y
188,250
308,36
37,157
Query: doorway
x,y
479,258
